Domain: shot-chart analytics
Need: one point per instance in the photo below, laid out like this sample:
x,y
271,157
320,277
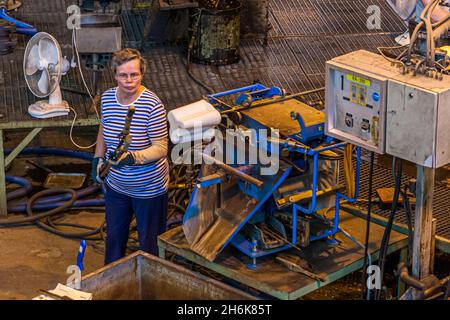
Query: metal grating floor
x,y
383,178
304,34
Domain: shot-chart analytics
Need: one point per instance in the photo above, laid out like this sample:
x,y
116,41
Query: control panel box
x,y
356,95
371,103
418,120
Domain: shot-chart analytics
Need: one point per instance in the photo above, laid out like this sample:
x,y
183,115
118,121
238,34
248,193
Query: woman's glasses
x,y
133,76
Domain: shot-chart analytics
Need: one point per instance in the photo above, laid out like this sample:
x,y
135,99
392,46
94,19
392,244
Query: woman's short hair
x,y
125,55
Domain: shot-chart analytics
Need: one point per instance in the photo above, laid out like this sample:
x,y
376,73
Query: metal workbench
x,y
36,127
48,16
276,280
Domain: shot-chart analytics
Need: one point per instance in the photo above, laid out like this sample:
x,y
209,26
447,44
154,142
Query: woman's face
x,y
129,77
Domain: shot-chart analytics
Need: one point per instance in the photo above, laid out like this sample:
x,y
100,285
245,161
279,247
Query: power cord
x,y
397,168
76,54
369,220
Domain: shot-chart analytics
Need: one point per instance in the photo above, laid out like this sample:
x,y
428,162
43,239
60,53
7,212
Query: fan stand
x,y
54,107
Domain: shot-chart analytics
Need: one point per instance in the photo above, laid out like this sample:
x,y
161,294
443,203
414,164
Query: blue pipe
x,y
253,87
27,31
56,152
21,27
54,201
26,187
334,146
21,207
343,196
315,153
51,202
64,197
312,207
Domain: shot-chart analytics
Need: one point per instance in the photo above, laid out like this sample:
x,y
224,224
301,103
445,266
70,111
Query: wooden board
x,y
278,115
273,278
177,4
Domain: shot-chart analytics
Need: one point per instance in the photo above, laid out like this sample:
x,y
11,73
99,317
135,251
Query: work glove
x,y
126,159
97,163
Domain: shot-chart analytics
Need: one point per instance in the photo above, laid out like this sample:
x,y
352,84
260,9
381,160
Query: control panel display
x,y
356,103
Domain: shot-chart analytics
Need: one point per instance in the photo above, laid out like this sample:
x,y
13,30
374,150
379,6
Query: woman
x,y
137,183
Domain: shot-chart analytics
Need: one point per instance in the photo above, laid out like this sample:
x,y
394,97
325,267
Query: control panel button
x,y
365,126
349,120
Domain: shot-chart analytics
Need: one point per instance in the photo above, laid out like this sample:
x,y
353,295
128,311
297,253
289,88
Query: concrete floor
x,y
33,259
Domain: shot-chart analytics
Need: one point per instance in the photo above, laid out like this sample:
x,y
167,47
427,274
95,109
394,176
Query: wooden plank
x,y
275,279
30,136
295,265
3,202
433,245
423,224
48,123
177,4
442,243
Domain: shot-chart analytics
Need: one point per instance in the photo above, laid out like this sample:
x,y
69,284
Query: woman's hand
x,y
126,159
97,163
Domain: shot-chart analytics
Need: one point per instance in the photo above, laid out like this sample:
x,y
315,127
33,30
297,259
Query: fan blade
x,y
43,83
48,51
32,61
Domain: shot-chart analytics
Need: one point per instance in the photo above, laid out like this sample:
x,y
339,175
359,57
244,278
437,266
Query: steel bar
x,y
233,171
293,96
280,237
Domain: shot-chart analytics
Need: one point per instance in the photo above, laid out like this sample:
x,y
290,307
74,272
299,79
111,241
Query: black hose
x,y
369,218
447,292
408,215
388,229
49,226
33,218
52,227
48,220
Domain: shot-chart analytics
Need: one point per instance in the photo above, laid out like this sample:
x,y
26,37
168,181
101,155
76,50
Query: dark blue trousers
x,y
151,216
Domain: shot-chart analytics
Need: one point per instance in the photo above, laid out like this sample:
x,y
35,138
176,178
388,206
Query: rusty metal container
x,y
142,276
218,34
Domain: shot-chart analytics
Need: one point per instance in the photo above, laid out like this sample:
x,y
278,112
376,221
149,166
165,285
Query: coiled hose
x,y
55,201
25,189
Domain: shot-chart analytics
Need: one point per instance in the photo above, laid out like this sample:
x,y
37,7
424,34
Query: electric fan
x,y
43,66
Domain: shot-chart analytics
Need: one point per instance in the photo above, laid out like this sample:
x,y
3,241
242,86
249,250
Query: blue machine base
x,y
251,266
245,246
332,241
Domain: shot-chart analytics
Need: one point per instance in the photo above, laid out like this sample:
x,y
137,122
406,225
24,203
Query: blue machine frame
x,y
21,27
247,95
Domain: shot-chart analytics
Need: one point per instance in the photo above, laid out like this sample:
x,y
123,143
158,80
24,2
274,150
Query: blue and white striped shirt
x,y
149,122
